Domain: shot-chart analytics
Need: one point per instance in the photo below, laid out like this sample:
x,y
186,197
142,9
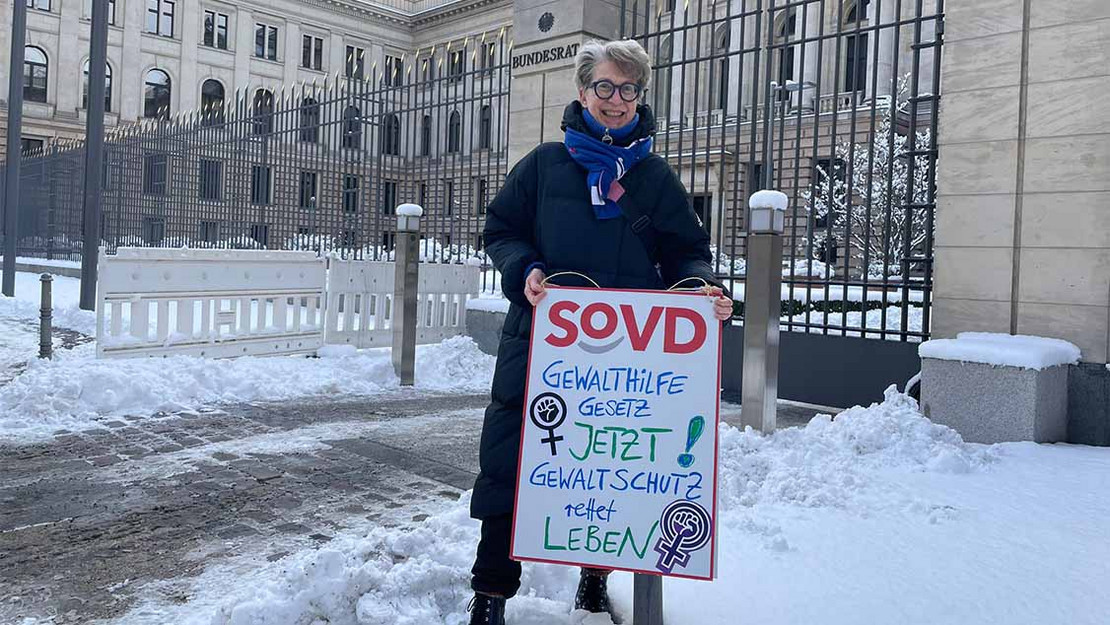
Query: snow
x,y
31,260
65,296
488,304
76,391
769,199
1026,352
876,516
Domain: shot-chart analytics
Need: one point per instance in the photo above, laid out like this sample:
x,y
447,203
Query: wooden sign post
x,y
618,458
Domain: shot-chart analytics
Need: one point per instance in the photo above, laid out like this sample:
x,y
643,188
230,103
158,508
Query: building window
x,y
212,102
107,87
702,202
664,73
392,76
40,5
261,234
485,127
456,66
36,69
111,11
308,189
261,193
454,132
724,40
352,128
755,178
211,180
159,17
855,63
426,136
785,33
391,135
27,145
481,196
312,52
208,231
265,41
155,174
423,195
449,196
427,70
350,193
389,197
310,121
215,30
263,112
156,95
154,230
348,238
356,62
489,57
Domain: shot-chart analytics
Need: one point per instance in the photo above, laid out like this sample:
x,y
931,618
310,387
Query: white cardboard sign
x,y
618,456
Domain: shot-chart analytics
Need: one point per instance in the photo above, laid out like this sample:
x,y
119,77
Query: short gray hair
x,y
627,54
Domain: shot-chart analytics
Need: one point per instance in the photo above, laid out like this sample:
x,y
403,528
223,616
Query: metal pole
x,y
405,284
647,599
762,308
46,321
15,133
94,152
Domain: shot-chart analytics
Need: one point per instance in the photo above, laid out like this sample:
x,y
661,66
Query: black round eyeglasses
x,y
605,89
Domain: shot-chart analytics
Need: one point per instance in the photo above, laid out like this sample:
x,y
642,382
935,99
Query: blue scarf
x,y
605,163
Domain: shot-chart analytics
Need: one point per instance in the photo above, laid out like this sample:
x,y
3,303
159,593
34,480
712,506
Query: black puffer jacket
x,y
543,213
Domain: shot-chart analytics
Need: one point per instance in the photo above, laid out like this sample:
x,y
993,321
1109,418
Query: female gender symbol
x,y
685,527
548,411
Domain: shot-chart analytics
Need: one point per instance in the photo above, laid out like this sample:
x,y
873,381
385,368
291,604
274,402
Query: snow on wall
x,y
1025,352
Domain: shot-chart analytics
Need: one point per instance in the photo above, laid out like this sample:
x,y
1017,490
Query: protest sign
x,y
618,456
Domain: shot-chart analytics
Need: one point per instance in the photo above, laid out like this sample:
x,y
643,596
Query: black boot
x,y
593,594
486,610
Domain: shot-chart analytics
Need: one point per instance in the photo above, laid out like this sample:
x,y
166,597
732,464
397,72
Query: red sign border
x,y
716,446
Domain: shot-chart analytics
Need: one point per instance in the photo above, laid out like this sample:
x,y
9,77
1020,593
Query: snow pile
x,y
488,303
65,296
75,390
769,199
1026,352
418,576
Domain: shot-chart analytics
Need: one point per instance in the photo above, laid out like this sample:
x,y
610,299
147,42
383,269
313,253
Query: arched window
x,y
310,121
855,48
720,47
485,127
263,112
391,135
107,87
156,95
352,128
663,74
454,132
784,35
426,136
35,72
212,102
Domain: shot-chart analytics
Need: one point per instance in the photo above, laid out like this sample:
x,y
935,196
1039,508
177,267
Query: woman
x,y
563,209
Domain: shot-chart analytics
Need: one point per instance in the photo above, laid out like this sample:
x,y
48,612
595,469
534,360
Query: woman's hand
x,y
722,306
533,286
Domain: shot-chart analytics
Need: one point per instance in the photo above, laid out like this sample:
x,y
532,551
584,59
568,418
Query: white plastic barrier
x,y
211,303
360,298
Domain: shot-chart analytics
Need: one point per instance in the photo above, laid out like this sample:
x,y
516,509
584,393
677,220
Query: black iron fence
x,y
316,167
832,102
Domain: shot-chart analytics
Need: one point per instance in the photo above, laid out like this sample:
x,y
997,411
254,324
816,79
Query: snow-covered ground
x,y
76,391
878,516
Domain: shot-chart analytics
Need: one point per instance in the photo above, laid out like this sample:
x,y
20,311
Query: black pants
x,y
494,572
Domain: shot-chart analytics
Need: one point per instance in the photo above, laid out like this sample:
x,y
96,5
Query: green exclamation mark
x,y
693,433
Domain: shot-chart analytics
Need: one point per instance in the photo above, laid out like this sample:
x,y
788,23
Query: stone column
x,y
884,19
244,50
66,76
189,89
547,35
1023,230
128,78
809,73
292,48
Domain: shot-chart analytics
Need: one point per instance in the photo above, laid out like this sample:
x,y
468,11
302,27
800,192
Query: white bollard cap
x,y
410,210
768,212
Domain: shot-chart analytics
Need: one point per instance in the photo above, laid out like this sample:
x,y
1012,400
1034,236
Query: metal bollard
x,y
405,285
46,317
647,599
762,309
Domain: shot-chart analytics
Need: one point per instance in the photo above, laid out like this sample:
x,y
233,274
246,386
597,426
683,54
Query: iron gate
x,y
845,93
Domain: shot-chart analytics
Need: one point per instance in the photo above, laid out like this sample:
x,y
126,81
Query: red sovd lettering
x,y
640,338
591,312
670,343
555,315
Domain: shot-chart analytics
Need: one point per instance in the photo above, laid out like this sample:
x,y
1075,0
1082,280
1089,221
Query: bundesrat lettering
x,y
554,53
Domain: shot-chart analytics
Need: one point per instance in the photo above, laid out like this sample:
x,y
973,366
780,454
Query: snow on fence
x,y
212,303
360,302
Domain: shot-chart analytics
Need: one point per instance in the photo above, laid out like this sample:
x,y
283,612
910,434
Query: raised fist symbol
x,y
547,409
